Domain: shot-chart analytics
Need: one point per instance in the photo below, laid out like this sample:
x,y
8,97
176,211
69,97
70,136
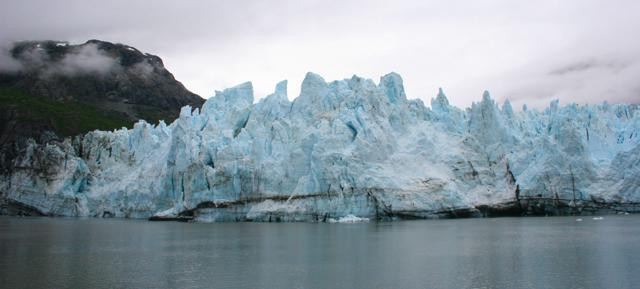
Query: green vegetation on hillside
x,y
66,117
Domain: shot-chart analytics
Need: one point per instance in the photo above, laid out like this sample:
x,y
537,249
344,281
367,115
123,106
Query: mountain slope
x,y
112,76
52,89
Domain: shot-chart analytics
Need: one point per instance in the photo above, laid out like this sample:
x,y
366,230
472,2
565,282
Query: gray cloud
x,y
143,68
574,50
85,59
7,62
612,79
575,67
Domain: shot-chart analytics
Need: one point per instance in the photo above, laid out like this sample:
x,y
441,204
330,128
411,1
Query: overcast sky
x,y
526,51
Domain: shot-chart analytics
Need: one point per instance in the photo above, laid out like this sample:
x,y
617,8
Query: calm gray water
x,y
553,252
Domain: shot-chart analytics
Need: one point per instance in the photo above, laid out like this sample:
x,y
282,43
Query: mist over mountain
x,y
118,76
51,89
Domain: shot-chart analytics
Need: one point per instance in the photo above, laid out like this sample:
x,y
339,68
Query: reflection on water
x,y
550,252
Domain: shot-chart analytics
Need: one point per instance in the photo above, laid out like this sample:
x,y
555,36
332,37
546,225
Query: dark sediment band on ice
x,y
528,206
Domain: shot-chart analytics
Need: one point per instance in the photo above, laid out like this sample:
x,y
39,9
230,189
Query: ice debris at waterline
x,y
348,219
347,147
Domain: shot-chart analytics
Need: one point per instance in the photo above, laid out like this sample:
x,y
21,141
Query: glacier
x,y
342,149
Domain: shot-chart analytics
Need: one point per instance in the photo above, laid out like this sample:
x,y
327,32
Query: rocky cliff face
x,y
51,89
349,147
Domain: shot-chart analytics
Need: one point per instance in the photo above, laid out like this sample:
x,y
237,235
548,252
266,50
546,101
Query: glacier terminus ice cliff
x,y
349,148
